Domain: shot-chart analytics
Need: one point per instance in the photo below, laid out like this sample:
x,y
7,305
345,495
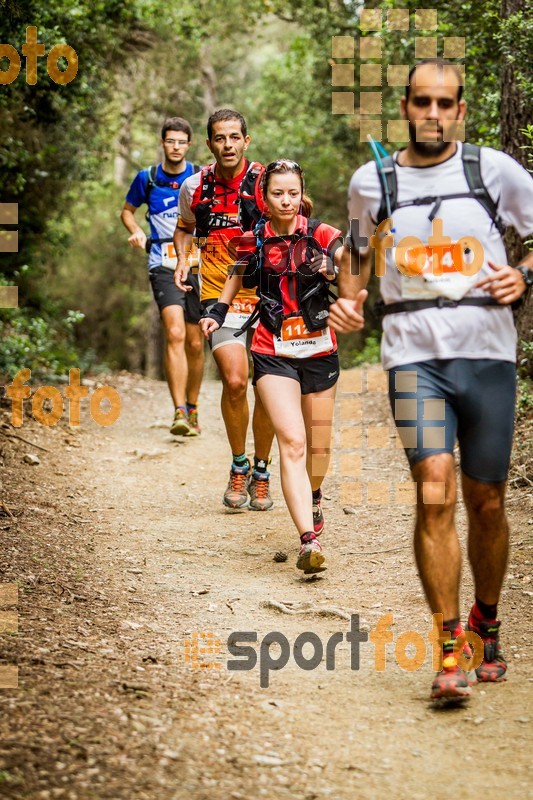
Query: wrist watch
x,y
527,274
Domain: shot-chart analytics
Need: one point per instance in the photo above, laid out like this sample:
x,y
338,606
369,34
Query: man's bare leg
x,y
437,551
194,352
174,358
488,550
488,536
232,362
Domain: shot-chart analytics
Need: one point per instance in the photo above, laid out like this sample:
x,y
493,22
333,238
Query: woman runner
x,y
294,352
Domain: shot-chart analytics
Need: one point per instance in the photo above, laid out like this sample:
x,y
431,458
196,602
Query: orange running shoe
x,y
259,489
236,494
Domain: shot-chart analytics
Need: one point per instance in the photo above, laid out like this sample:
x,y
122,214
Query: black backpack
x,y
250,278
314,297
250,202
477,189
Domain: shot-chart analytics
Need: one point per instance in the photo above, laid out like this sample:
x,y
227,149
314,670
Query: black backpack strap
x,y
196,168
312,225
383,309
152,172
249,212
203,207
389,188
471,156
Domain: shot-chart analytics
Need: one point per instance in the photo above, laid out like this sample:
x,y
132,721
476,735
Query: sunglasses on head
x,y
283,162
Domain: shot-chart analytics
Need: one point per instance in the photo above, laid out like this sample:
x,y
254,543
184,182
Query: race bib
x,y
296,341
168,255
239,312
421,282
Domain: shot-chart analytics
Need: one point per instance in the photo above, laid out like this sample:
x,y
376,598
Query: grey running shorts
x,y
471,400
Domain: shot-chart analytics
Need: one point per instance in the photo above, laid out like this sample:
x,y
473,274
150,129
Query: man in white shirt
x,y
449,344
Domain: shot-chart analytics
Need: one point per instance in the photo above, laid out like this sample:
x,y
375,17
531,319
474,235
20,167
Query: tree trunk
x,y
122,154
513,116
209,81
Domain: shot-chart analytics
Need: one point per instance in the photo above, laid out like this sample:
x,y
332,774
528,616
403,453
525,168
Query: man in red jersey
x,y
217,205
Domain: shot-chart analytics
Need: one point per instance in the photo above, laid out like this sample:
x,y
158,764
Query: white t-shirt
x,y
465,331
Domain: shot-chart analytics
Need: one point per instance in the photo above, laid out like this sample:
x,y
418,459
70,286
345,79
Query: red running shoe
x,y
318,516
493,667
310,557
452,682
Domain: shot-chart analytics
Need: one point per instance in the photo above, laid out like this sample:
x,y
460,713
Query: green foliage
x,y
528,134
524,403
113,300
353,353
42,342
482,59
525,358
515,39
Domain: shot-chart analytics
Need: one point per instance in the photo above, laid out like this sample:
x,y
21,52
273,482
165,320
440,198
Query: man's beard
x,y
434,148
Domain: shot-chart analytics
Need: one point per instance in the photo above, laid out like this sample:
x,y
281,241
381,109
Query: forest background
x,y
69,152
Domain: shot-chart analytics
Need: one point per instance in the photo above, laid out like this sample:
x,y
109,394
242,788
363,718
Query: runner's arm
x,y
127,215
506,284
231,289
182,244
346,314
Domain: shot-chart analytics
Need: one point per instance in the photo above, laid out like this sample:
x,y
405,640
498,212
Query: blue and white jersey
x,y
162,209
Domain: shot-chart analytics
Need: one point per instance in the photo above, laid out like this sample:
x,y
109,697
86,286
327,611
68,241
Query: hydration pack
x,y
471,165
250,202
311,290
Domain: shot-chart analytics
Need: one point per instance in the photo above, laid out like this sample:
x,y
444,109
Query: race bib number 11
x,y
297,342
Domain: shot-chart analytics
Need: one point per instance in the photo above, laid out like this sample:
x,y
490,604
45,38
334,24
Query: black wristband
x,y
217,312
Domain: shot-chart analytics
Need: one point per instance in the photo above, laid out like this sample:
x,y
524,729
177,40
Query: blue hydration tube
x,y
379,152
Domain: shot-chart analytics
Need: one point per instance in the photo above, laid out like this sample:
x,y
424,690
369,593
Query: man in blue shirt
x,y
158,187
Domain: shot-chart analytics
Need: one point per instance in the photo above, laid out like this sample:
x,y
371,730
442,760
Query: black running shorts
x,y
166,293
436,402
313,374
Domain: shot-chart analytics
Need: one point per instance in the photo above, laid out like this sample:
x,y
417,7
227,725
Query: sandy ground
x,y
131,576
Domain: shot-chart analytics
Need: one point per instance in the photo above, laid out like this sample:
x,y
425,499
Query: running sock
x,y
182,409
240,461
191,406
317,495
260,465
453,626
483,611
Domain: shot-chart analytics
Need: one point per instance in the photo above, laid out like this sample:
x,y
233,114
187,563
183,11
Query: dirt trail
x,y
122,550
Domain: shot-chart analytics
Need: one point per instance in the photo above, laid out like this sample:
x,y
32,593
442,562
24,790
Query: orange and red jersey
x,y
218,251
